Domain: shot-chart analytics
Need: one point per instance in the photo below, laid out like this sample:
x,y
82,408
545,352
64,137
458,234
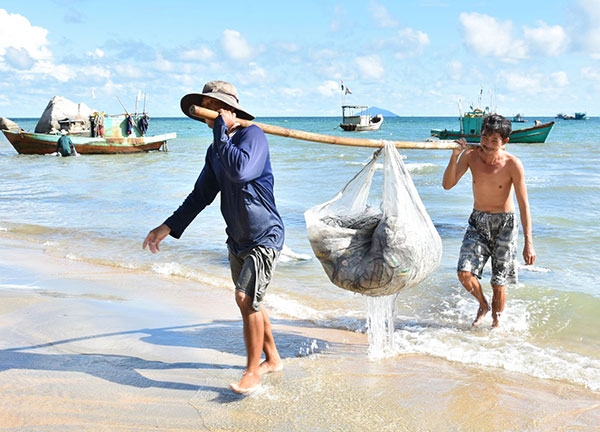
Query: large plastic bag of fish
x,y
375,250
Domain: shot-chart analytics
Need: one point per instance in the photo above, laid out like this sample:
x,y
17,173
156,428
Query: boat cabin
x,y
357,118
471,122
75,126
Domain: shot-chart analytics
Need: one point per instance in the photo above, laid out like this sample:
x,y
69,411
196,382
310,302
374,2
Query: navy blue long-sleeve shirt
x,y
240,168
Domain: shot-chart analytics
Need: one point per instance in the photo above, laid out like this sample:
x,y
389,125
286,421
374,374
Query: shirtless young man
x,y
493,227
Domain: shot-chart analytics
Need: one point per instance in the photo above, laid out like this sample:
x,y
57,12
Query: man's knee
x,y
242,299
497,289
464,276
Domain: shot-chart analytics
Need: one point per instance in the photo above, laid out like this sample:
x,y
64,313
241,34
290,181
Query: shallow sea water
x,y
99,209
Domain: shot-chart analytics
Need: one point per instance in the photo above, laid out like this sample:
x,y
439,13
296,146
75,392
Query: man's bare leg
x,y
471,284
254,339
498,301
272,361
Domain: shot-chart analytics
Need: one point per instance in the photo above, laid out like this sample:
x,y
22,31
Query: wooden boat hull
x,y
35,143
374,123
532,135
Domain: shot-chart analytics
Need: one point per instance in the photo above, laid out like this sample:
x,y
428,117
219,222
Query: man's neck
x,y
493,159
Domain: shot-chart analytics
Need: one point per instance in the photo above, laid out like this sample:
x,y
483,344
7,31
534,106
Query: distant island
x,y
375,110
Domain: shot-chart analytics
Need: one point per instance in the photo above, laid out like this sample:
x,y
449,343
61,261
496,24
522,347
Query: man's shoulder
x,y
512,159
252,132
253,129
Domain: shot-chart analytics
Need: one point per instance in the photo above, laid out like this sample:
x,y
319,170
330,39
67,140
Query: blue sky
x,y
287,58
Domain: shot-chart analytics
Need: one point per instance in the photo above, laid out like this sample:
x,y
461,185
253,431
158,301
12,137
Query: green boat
x,y
470,129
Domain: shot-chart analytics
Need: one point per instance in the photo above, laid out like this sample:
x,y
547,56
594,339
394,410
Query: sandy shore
x,y
93,348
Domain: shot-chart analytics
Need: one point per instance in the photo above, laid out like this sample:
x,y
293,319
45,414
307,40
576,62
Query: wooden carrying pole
x,y
199,112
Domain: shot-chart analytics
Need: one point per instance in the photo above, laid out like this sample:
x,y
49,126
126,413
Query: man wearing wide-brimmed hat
x,y
237,165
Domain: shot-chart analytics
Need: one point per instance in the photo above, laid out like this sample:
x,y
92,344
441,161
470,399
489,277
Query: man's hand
x,y
230,119
155,236
462,145
528,253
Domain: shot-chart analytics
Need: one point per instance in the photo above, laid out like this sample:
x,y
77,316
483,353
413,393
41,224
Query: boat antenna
x,y
144,103
123,106
460,114
125,109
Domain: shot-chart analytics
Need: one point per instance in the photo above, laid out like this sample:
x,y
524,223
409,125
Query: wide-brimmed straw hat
x,y
219,90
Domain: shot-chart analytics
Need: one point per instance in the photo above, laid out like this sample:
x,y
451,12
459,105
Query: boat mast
x,y
460,115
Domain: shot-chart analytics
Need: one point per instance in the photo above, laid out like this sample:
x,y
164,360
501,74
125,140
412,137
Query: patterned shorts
x,y
491,235
252,272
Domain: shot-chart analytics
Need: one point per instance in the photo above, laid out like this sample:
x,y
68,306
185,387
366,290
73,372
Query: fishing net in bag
x,y
375,250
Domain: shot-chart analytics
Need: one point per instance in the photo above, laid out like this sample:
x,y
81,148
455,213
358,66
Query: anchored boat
x,y
470,130
90,131
353,121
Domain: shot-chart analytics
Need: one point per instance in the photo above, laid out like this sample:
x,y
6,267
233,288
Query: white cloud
x,y
235,45
340,19
17,32
410,42
486,36
370,67
289,47
95,72
520,83
584,26
329,88
256,72
24,47
455,70
128,70
18,58
560,79
163,65
62,73
199,54
590,73
111,88
547,40
382,15
97,53
291,93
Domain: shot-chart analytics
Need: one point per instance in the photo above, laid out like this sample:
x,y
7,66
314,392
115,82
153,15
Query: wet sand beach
x,y
93,348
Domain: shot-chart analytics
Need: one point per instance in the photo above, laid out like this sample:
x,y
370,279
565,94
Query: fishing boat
x,y
91,132
518,118
360,121
38,143
577,116
470,130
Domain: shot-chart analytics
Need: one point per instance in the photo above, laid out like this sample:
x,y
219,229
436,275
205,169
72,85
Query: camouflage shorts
x,y
491,235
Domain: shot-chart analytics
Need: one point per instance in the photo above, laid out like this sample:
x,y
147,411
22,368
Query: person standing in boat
x,y
64,145
237,164
100,125
493,227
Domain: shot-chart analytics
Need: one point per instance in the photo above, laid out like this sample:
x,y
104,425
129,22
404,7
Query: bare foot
x,y
249,383
270,366
481,313
496,319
